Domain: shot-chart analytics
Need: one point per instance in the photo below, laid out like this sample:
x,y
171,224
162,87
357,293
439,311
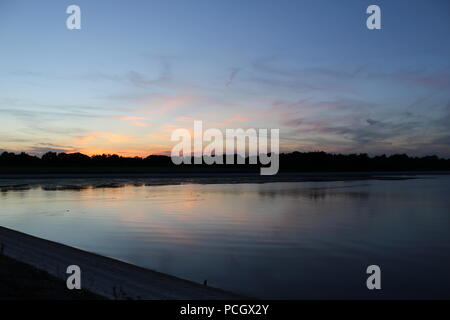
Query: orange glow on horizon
x,y
124,152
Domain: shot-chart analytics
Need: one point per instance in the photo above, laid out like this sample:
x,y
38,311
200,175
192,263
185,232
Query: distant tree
x,y
294,161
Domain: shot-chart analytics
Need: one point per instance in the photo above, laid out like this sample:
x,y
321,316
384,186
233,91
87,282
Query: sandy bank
x,y
20,281
101,275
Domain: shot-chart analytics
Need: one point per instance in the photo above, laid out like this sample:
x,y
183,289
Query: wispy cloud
x,y
233,74
163,104
434,79
135,78
135,120
105,137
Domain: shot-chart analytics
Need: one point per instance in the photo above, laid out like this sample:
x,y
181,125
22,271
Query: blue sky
x,y
137,70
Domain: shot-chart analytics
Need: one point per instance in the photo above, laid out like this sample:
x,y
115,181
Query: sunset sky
x,y
137,70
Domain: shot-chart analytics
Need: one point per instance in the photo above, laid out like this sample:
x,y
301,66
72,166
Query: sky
x,y
138,70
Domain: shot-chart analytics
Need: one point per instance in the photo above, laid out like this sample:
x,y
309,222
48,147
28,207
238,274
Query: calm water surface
x,y
276,240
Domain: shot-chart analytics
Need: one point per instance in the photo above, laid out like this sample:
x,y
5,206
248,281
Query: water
x,y
276,240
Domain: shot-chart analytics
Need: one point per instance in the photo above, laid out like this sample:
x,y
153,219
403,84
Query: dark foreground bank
x,y
101,275
21,281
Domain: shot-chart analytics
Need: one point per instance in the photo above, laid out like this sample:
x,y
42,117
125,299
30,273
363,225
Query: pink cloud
x,y
135,120
163,104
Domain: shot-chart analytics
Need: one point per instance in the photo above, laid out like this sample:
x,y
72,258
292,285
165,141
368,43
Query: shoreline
x,y
72,181
211,174
104,276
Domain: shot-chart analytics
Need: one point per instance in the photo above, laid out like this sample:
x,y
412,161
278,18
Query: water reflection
x,y
275,240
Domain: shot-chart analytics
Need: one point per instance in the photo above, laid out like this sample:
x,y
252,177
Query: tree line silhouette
x,y
289,162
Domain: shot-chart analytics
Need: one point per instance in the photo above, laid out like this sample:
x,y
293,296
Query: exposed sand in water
x,y
55,182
